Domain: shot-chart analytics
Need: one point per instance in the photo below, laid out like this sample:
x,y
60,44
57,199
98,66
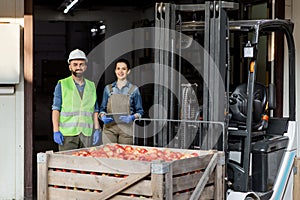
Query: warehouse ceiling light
x,y
71,5
98,29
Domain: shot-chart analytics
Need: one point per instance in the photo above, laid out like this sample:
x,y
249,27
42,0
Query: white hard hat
x,y
77,54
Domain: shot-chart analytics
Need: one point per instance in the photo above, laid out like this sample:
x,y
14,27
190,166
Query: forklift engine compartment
x,y
266,159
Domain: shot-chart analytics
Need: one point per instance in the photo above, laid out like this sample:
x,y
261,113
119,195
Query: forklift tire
x,y
251,198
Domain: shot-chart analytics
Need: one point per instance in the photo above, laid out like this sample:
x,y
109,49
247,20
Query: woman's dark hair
x,y
123,60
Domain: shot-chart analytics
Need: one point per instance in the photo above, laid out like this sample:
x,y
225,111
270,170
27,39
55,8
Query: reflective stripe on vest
x,y
76,114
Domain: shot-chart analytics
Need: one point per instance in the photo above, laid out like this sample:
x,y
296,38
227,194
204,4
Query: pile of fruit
x,y
129,152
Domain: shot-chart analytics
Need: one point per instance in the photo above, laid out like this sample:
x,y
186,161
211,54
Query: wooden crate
x,y
63,176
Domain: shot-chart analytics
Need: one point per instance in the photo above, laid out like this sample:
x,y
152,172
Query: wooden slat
x,y
121,197
191,164
123,184
60,194
207,193
96,182
186,182
92,164
189,181
182,196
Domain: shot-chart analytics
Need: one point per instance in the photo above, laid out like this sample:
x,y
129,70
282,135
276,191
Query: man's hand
x,y
58,137
96,136
127,119
106,120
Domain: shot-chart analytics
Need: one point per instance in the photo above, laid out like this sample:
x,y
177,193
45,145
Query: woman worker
x,y
121,105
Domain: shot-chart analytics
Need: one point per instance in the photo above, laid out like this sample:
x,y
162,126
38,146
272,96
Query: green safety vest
x,y
76,115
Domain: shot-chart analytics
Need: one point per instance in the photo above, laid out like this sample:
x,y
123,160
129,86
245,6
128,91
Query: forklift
x,y
266,144
260,146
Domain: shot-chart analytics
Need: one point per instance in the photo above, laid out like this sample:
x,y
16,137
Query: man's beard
x,y
77,74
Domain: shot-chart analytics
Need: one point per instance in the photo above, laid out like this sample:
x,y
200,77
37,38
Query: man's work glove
x,y
106,120
58,137
96,136
127,118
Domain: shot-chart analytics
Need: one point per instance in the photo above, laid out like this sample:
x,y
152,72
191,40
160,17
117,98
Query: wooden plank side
x,y
59,194
96,182
92,164
207,193
191,164
186,182
182,196
123,184
189,181
200,186
42,179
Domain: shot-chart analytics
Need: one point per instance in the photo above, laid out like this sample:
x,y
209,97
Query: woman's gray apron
x,y
117,131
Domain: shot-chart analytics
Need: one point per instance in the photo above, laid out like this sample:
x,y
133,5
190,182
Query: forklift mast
x,y
212,62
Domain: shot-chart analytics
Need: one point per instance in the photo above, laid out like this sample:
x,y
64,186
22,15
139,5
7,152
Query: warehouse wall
x,y
60,33
12,118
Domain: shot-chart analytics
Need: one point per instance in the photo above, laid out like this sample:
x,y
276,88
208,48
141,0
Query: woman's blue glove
x,y
58,137
127,119
96,136
106,120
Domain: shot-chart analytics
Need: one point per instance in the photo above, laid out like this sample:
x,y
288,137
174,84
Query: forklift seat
x,y
238,105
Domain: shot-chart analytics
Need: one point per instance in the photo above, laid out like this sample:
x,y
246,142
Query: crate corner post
x,y
42,180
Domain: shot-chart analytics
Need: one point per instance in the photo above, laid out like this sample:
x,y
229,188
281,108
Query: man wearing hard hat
x,y
75,108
